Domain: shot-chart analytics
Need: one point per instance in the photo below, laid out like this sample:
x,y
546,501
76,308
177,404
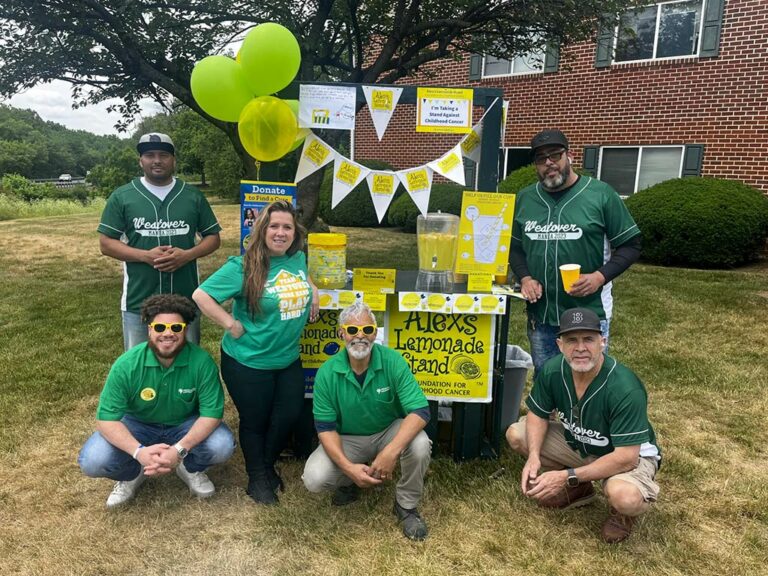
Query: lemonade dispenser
x,y
437,236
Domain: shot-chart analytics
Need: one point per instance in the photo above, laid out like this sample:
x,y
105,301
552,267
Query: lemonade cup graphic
x,y
487,233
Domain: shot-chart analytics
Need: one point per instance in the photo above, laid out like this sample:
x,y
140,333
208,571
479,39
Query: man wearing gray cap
x,y
151,225
602,432
566,218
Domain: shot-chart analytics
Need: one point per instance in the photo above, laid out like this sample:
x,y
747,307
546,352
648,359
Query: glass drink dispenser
x,y
437,236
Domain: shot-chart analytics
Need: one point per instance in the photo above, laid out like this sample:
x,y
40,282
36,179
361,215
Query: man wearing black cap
x,y
602,432
151,224
567,219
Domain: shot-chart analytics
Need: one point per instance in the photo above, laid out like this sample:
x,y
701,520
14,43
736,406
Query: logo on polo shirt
x,y
148,394
160,227
382,390
551,231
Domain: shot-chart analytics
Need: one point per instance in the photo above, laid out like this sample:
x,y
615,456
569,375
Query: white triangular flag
x,y
314,155
418,183
450,165
381,105
470,144
382,186
346,175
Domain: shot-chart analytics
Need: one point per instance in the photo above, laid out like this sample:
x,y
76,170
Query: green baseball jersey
x,y
271,339
140,386
139,218
580,228
389,392
612,412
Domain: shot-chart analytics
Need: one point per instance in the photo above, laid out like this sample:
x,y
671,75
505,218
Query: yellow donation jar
x,y
327,260
437,236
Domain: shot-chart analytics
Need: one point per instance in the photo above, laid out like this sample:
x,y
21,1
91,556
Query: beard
x,y
553,183
166,354
359,349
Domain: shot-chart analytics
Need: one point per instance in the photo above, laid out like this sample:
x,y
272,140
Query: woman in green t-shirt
x,y
272,298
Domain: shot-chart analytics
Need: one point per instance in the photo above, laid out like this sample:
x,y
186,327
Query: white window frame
x,y
542,54
680,147
656,35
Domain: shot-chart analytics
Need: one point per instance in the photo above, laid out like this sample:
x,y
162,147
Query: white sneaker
x,y
125,491
197,482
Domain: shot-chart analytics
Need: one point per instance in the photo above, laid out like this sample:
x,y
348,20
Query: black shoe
x,y
275,480
414,526
261,492
344,495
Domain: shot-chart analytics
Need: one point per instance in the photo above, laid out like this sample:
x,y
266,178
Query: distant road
x,y
76,181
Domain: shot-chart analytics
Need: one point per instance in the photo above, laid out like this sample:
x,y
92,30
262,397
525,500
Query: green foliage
x,y
20,188
12,208
444,197
120,166
519,179
357,208
701,222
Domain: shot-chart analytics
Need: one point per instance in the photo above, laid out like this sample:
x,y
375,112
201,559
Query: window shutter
x,y
470,170
710,33
552,57
694,155
589,160
475,66
604,51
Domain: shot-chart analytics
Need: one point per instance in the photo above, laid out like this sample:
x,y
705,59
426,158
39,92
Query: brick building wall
x,y
720,102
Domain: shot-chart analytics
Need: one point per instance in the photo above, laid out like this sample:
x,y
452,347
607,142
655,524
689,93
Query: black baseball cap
x,y
579,319
155,141
549,138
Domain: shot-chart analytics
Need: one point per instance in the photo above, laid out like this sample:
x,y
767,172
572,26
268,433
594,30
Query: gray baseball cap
x,y
549,138
579,319
155,141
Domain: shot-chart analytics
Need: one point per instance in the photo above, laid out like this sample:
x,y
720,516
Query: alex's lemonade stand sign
x,y
319,341
451,355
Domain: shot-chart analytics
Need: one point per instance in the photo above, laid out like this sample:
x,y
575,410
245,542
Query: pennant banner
x,y
382,186
381,105
418,183
314,156
450,165
470,144
346,175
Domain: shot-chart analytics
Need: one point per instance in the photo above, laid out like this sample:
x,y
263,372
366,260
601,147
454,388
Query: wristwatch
x,y
181,450
573,480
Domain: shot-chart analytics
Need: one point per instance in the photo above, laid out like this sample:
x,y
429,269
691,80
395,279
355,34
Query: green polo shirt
x,y
579,228
389,392
140,386
612,412
139,218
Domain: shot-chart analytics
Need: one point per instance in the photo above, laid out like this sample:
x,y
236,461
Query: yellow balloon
x,y
267,128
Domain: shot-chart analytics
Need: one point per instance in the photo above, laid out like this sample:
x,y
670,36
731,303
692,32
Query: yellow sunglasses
x,y
352,329
160,327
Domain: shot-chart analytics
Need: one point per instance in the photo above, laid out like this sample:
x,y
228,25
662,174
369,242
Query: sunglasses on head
x,y
351,329
160,327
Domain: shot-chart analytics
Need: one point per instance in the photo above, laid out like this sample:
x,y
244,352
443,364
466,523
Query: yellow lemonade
x,y
436,251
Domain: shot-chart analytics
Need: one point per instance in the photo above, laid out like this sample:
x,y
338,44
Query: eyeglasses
x,y
176,327
553,156
351,329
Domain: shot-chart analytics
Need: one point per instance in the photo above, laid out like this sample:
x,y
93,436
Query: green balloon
x,y
270,56
219,87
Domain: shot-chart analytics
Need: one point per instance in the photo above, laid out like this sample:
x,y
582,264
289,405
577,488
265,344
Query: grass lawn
x,y
696,338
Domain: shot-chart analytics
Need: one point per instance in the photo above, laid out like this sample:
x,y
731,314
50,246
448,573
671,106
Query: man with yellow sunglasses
x,y
160,409
369,413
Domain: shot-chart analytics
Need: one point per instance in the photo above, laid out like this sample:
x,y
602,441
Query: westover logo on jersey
x,y
551,231
160,227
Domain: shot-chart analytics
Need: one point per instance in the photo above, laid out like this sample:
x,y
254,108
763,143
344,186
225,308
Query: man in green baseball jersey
x,y
566,218
151,225
602,433
369,413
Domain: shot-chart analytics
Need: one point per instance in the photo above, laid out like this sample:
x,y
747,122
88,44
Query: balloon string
x,y
258,170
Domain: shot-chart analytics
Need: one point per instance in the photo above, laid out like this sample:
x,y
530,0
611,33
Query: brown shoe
x,y
568,498
617,527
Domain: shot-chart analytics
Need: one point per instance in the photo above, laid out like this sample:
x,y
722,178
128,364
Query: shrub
x,y
701,222
21,188
357,208
444,197
518,179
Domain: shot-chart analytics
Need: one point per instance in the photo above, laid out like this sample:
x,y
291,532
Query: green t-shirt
x,y
580,228
139,218
612,412
140,386
271,339
389,392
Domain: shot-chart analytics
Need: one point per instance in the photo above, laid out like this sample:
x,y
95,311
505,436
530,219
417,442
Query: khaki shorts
x,y
556,449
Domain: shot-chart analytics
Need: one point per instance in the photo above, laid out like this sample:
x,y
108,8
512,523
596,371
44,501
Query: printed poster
x,y
254,196
444,110
381,105
330,107
485,232
319,341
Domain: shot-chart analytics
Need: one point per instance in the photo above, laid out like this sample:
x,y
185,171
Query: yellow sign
x,y
377,302
374,280
316,152
449,162
444,110
479,282
381,100
347,297
319,341
485,231
451,355
470,142
348,173
383,184
417,180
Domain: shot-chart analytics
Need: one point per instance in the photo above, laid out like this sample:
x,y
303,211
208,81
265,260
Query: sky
x,y
53,102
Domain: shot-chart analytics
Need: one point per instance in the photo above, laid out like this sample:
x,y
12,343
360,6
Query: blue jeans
x,y
135,331
99,459
543,338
